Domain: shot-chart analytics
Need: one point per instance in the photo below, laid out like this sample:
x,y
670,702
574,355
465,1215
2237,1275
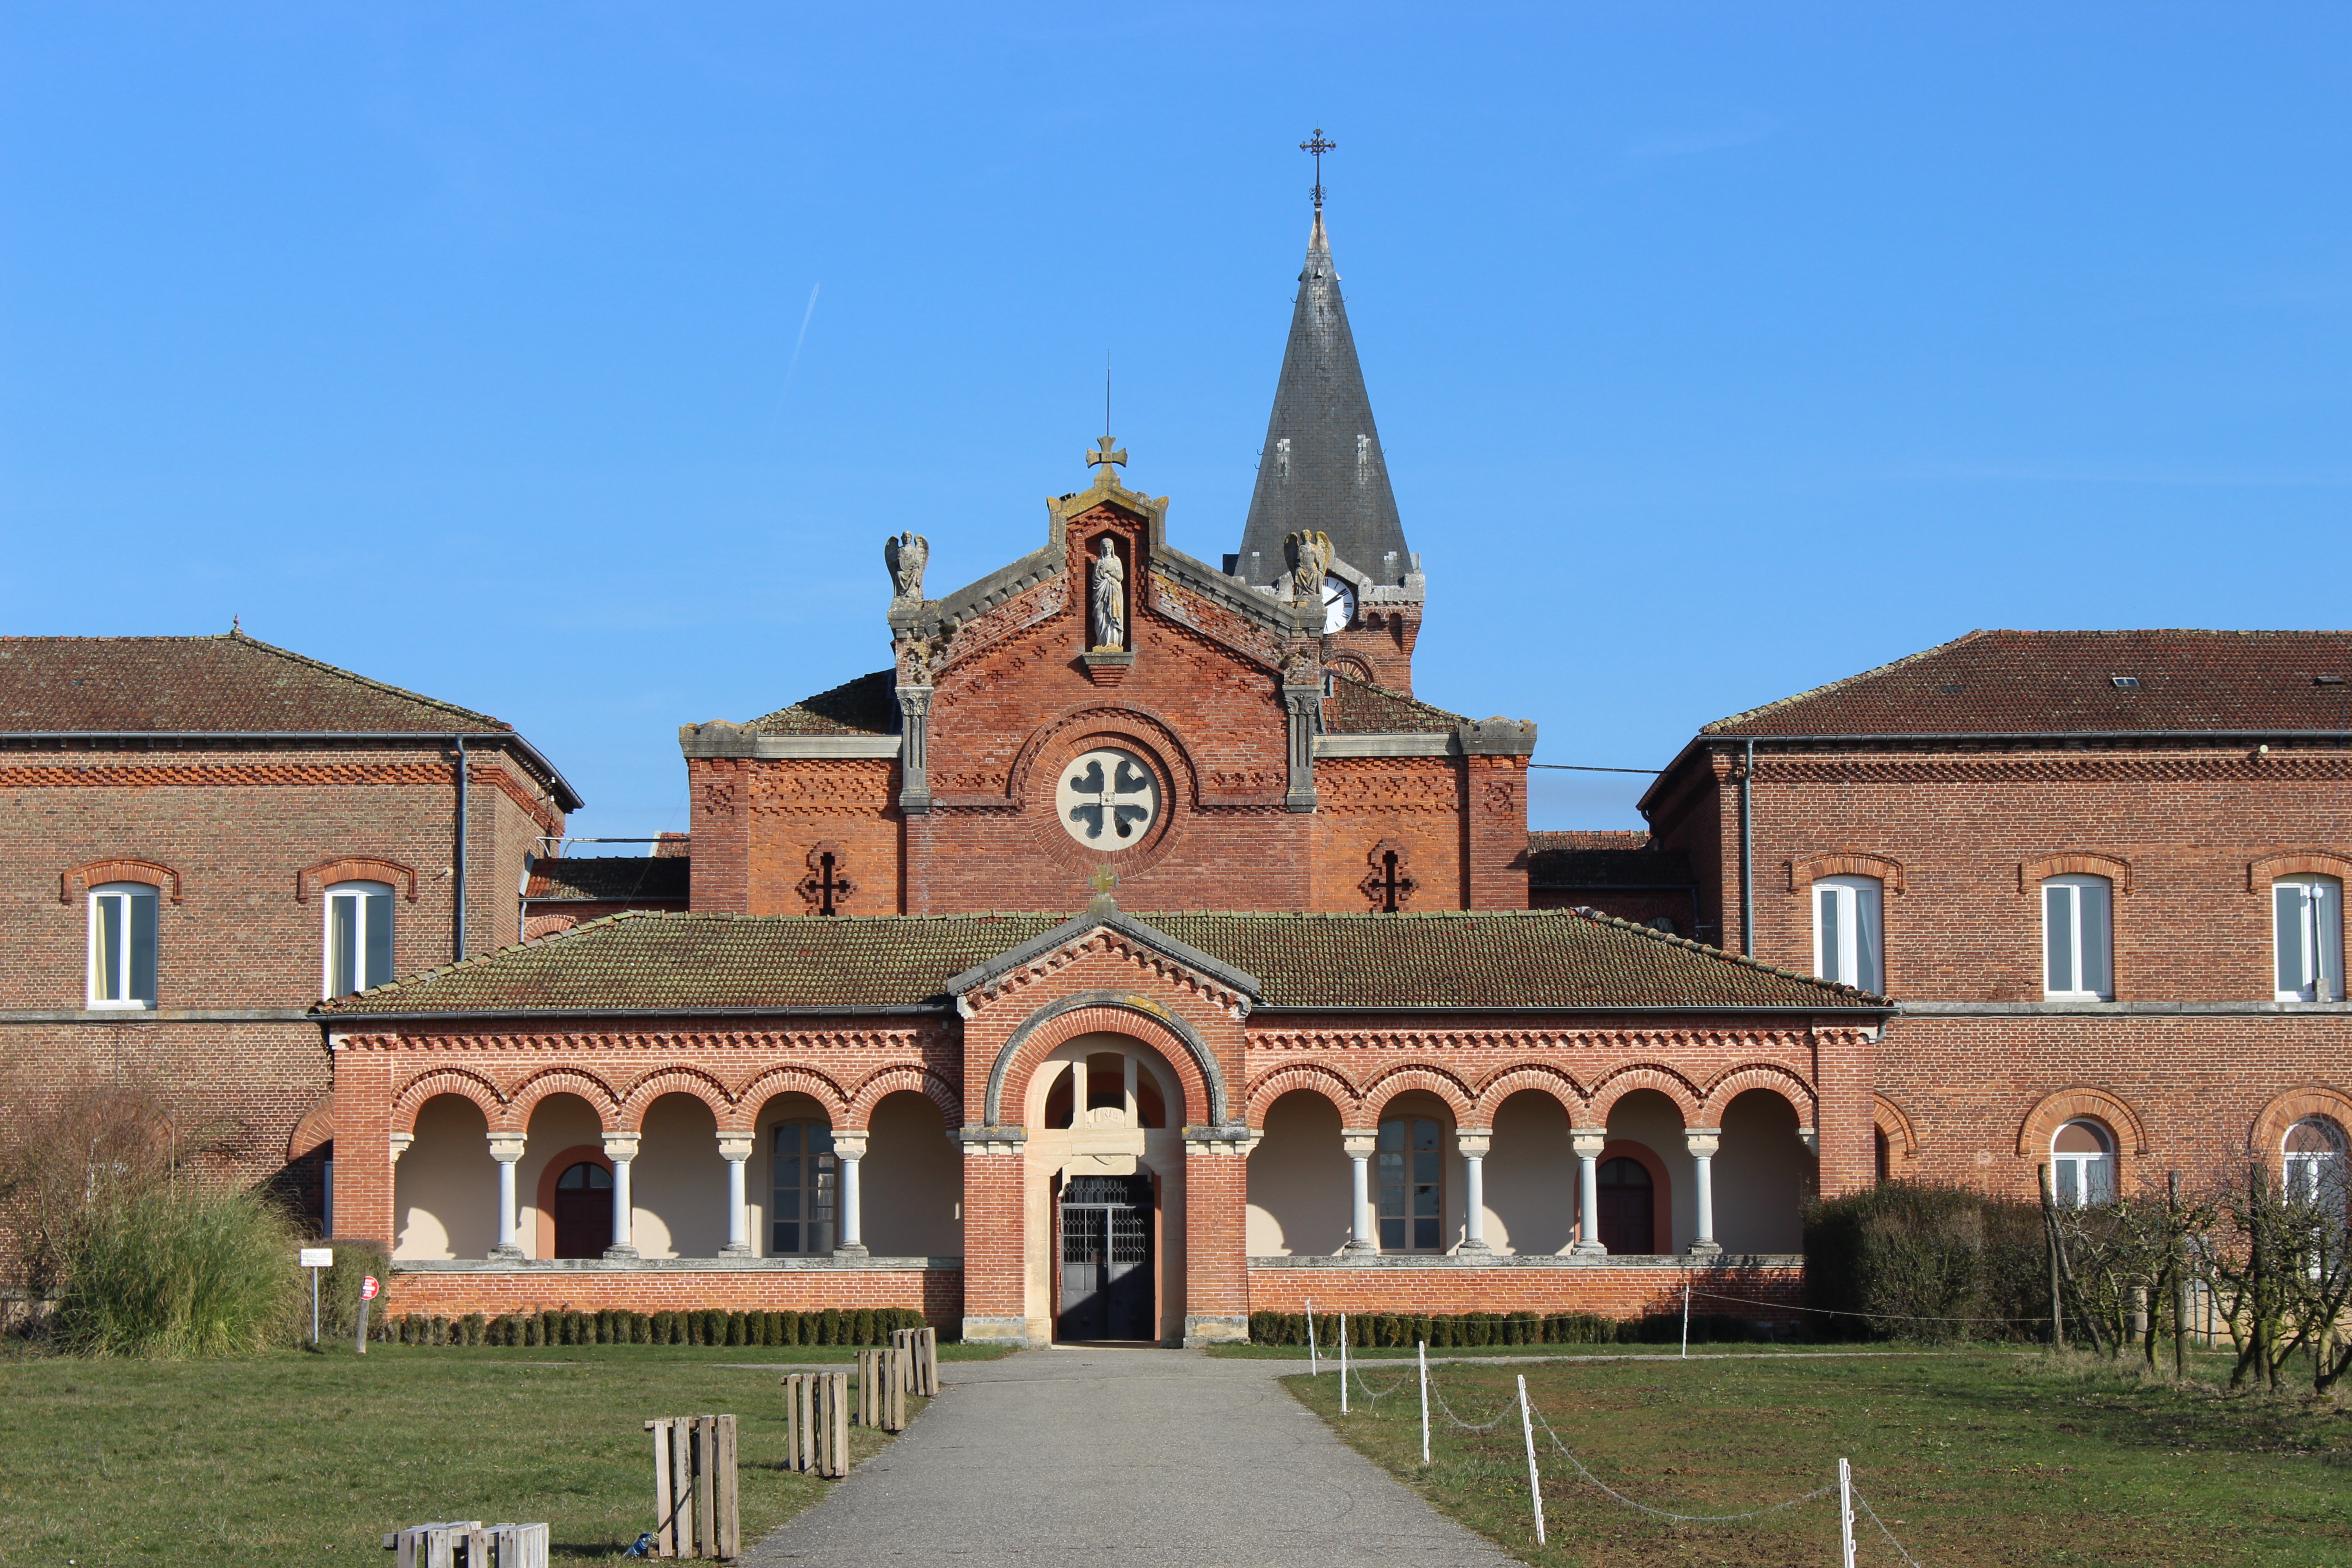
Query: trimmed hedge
x,y
1910,1258
613,1326
1477,1330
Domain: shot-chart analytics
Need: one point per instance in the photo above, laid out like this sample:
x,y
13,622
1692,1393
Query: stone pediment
x,y
1103,914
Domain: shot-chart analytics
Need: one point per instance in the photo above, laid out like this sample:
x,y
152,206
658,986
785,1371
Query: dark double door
x,y
1106,1274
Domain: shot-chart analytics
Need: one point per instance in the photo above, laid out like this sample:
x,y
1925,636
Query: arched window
x,y
800,1219
2307,929
2316,1162
2083,1164
1412,1184
1845,930
359,937
123,945
583,1211
2076,939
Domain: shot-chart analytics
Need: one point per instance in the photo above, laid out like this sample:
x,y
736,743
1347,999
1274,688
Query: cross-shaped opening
x,y
1390,882
827,884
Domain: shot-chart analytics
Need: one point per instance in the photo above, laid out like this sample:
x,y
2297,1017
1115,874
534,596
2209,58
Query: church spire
x,y
1322,468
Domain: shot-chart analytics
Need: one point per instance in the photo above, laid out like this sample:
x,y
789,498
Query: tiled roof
x,y
2032,683
1603,860
645,962
865,706
1359,708
228,684
611,879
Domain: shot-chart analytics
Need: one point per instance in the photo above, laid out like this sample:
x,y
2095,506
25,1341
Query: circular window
x,y
1108,799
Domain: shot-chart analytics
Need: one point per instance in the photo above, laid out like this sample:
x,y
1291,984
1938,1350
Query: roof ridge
x,y
1848,680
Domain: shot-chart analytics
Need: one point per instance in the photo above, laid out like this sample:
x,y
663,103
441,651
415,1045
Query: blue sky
x,y
1718,350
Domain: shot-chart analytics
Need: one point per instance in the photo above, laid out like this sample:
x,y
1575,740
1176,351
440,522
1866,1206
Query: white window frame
x,y
2304,1174
2319,921
358,893
1848,916
127,894
2069,1173
2072,888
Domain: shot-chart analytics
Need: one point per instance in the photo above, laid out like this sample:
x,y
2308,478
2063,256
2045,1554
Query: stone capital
x,y
400,1142
1587,1142
1359,1141
734,1146
1810,1137
620,1147
1703,1141
1473,1142
849,1145
505,1148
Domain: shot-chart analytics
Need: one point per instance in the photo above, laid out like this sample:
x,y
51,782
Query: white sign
x,y
318,1258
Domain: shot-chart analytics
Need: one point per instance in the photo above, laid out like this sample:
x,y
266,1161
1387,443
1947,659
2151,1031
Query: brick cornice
x,y
273,775
2225,765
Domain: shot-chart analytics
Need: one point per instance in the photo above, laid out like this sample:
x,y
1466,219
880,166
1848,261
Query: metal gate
x,y
1106,1283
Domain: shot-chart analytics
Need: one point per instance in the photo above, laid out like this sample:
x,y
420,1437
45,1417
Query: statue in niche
x,y
1109,600
1310,558
906,555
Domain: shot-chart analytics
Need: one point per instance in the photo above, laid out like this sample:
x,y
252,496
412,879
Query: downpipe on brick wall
x,y
1748,854
457,935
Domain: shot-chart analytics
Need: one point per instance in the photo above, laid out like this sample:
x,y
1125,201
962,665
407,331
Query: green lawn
x,y
1972,1459
297,1458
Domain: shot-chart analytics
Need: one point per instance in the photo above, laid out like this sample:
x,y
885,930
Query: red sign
x,y
368,1287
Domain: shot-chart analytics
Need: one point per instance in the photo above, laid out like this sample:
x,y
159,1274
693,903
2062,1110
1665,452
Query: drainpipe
x,y
1748,855
458,936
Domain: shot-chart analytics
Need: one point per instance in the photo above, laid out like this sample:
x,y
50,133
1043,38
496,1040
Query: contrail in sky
x,y
805,317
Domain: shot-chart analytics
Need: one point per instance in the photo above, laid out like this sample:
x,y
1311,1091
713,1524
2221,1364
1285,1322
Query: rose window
x,y
1108,799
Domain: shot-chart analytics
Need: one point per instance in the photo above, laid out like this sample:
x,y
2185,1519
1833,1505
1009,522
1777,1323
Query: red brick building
x,y
1300,1008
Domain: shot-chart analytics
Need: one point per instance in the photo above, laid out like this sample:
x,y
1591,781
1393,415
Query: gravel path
x,y
1137,1458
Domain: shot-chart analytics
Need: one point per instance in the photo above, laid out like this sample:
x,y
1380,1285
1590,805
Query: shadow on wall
x,y
911,1186
1532,1178
1299,1180
1762,1175
679,1182
444,1191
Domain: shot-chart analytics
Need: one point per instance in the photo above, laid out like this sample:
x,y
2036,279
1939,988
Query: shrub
x,y
1918,1258
173,1271
338,1287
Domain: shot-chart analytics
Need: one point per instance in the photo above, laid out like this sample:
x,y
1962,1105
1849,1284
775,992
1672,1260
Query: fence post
x,y
1845,1514
1535,1482
1685,1319
665,1506
1314,1363
833,1448
1343,1363
1420,1353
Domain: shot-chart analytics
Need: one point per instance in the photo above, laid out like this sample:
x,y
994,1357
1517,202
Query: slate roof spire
x,y
1322,466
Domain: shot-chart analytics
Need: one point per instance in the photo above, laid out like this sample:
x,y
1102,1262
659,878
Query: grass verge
x,y
1973,1460
295,1456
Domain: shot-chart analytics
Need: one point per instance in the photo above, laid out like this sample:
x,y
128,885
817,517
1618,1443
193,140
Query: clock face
x,y
1339,604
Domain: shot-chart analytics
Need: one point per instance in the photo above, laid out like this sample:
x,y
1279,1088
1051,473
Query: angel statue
x,y
1310,558
905,555
1109,600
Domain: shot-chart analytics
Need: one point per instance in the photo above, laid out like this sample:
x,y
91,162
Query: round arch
x,y
1309,1078
1531,1077
1624,1081
439,1081
562,1080
889,1080
690,1082
1112,1013
2054,1110
2267,1136
1422,1079
1770,1076
741,1113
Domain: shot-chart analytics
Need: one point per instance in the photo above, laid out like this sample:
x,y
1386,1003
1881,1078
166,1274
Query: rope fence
x,y
1434,1399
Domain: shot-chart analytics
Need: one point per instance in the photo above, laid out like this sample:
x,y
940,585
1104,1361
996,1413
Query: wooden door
x,y
1628,1207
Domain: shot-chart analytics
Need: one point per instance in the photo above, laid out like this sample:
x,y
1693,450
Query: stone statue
x,y
906,555
1310,558
1109,600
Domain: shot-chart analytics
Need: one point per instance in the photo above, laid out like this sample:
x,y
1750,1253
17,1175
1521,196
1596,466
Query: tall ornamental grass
x,y
178,1271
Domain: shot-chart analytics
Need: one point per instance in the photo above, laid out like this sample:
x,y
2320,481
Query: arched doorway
x,y
1105,1171
1628,1207
1106,1225
583,1211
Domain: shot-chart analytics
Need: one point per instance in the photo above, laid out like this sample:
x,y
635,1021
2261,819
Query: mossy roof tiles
x,y
865,706
640,963
1359,708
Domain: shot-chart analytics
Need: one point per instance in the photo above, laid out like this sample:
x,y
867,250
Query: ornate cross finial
x,y
1102,880
1103,456
1319,147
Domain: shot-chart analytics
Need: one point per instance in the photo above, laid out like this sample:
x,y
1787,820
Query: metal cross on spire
x,y
1317,146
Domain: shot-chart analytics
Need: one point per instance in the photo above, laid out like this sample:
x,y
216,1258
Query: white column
x,y
848,1154
1702,1143
736,1149
1474,1142
506,1149
1587,1142
1360,1143
621,1148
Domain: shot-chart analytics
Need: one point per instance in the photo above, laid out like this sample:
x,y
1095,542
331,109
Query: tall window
x,y
123,945
2307,924
359,937
1845,930
2315,1162
800,1219
1411,1187
2075,937
2083,1164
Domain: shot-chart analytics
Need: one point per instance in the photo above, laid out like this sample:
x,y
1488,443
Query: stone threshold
x,y
1541,1260
560,1265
